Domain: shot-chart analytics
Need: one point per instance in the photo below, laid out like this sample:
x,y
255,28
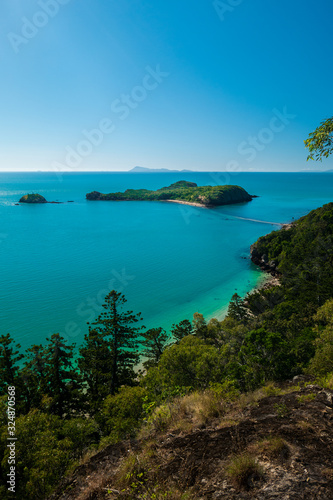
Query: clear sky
x,y
204,85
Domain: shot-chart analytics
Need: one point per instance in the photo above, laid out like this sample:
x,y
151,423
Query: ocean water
x,y
58,261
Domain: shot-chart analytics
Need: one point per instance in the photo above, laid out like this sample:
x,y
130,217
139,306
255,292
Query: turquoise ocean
x,y
58,261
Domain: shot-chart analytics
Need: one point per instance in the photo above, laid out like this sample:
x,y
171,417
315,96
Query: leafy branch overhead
x,y
320,141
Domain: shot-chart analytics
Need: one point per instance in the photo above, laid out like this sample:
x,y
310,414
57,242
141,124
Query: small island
x,y
185,192
33,198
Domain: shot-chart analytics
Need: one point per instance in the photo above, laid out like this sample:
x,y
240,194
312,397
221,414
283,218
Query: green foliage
x,y
191,363
237,310
304,256
182,191
200,326
322,362
9,359
263,356
45,447
281,410
181,330
154,342
94,363
122,413
320,142
34,376
306,397
62,382
114,331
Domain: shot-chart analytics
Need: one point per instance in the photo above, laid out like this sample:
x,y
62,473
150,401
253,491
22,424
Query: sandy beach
x,y
186,203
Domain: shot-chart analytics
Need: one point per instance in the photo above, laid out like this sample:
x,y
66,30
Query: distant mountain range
x,y
144,170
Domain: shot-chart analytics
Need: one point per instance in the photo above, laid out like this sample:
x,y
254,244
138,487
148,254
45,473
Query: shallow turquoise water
x,y
59,261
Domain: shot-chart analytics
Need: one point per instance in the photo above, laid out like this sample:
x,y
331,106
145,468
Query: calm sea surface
x,y
58,261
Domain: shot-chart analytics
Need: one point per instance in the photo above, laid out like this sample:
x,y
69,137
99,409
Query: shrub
x,y
306,397
122,413
244,471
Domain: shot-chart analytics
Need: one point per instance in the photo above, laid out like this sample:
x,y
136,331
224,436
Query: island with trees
x,y
33,198
182,192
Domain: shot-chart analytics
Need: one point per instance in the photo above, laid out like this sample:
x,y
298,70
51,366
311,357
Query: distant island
x,y
144,170
38,198
33,198
181,192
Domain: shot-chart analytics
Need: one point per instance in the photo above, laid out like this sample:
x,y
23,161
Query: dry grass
x,y
184,414
137,477
328,474
244,471
305,426
272,447
252,398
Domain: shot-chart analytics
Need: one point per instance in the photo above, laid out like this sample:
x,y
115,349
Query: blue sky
x,y
211,86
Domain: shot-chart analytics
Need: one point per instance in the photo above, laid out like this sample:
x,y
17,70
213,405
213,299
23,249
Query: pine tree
x,y
116,330
236,309
63,380
154,343
9,357
200,326
181,330
34,376
94,364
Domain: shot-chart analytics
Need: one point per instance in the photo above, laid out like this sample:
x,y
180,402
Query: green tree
x,y
181,330
322,362
34,376
154,342
263,356
237,310
62,379
191,363
121,413
46,446
115,329
94,362
9,359
200,326
320,142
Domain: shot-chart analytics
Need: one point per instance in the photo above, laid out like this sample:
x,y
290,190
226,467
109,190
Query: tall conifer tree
x,y
111,349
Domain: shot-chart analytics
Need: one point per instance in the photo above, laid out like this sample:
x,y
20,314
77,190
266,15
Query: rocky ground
x,y
197,462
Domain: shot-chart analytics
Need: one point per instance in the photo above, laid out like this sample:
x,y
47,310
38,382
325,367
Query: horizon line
x,y
167,172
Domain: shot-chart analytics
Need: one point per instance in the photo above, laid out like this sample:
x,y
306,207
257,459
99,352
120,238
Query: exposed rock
x,y
196,461
33,198
263,262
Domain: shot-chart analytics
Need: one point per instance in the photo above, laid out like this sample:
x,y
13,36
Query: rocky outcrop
x,y
197,462
262,261
33,198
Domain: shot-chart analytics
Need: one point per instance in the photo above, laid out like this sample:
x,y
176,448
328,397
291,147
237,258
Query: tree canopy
x,y
320,141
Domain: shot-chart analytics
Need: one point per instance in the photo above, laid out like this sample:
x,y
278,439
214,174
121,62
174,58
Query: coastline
x,y
264,282
185,203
